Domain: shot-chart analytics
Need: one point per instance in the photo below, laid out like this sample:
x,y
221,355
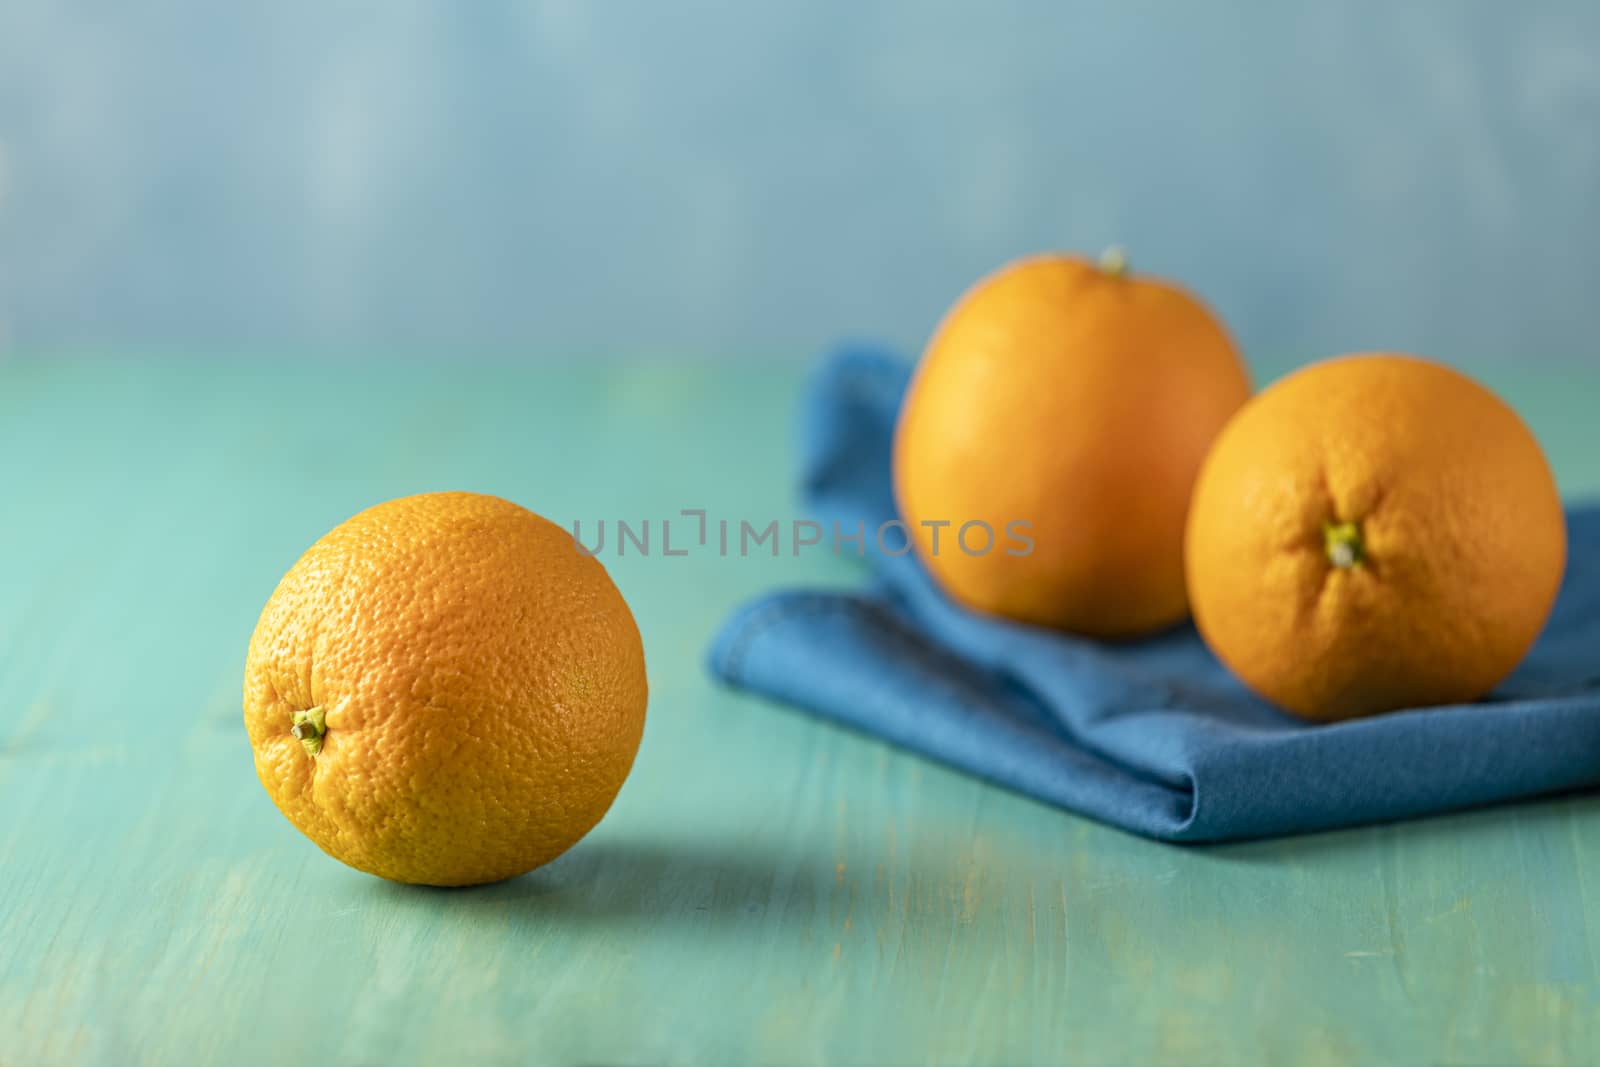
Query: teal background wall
x,y
753,181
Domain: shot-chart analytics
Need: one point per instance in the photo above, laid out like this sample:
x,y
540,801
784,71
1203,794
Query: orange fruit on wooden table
x,y
444,690
1374,532
1080,399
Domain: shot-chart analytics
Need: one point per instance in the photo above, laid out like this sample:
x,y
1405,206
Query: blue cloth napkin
x,y
1154,736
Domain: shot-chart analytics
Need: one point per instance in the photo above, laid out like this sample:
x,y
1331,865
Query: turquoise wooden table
x,y
767,889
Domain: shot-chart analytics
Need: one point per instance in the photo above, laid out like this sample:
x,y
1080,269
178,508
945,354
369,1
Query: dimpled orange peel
x,y
1374,532
445,691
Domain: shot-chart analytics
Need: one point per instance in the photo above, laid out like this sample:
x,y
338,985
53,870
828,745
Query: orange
x,y
1374,532
444,690
1067,404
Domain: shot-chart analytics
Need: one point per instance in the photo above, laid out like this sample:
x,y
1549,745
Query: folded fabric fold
x,y
1153,736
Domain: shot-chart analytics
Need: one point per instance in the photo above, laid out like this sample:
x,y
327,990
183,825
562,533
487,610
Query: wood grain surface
x,y
767,889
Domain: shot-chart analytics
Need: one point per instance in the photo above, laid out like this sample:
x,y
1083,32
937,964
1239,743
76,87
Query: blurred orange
x,y
1080,400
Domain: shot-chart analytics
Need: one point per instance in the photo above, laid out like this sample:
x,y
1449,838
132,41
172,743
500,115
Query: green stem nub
x,y
1343,543
1114,262
308,728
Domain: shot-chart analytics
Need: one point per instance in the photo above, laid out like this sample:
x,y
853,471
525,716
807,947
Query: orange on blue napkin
x,y
1153,736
